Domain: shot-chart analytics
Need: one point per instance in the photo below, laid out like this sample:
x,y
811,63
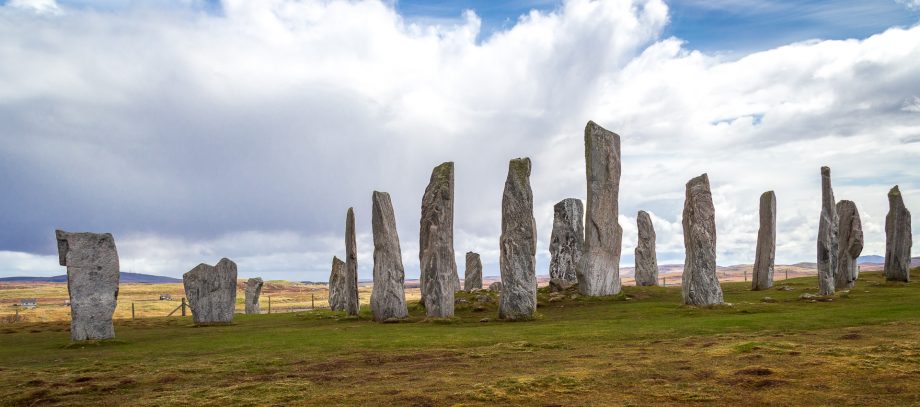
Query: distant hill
x,y
123,278
871,259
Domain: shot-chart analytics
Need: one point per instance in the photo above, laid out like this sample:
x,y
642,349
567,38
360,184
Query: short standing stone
x,y
436,244
496,287
351,266
599,269
851,245
253,290
898,239
567,241
646,258
92,282
211,292
388,298
518,244
700,283
472,279
765,254
337,285
827,236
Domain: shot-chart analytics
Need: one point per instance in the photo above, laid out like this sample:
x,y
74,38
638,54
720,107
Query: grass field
x,y
641,348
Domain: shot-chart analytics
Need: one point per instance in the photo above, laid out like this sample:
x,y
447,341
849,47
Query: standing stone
x,y
700,283
765,255
472,278
567,243
827,236
351,266
518,245
337,285
496,287
253,290
436,244
599,269
851,245
646,259
92,282
388,299
898,239
211,292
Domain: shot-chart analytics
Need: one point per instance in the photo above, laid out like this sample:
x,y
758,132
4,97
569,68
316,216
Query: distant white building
x,y
28,302
165,297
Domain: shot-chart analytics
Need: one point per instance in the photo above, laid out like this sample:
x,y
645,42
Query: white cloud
x,y
38,6
911,4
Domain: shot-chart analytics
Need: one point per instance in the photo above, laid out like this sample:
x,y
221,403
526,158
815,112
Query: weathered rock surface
x,y
700,283
351,266
211,292
337,285
898,238
438,278
567,243
388,299
472,278
92,282
559,285
496,287
827,236
850,238
253,291
765,253
518,244
646,258
599,269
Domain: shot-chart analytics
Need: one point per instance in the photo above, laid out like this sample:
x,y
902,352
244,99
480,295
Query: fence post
x,y
132,310
183,306
745,275
312,302
269,304
787,274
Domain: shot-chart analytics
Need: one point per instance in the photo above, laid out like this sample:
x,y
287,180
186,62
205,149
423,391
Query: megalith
x,y
850,238
567,242
253,290
599,269
646,271
388,298
518,243
827,236
438,278
496,287
337,285
700,284
350,297
92,282
765,253
898,238
472,278
211,292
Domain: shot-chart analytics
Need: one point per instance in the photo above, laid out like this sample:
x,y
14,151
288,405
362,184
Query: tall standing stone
x,y
388,298
898,239
436,244
765,254
472,278
92,282
827,236
337,285
599,269
700,283
518,242
567,243
351,266
646,258
253,291
851,245
211,292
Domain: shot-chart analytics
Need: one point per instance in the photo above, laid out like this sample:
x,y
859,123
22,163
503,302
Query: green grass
x,y
640,348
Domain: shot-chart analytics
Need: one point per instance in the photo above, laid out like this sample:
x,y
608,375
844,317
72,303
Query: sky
x,y
195,130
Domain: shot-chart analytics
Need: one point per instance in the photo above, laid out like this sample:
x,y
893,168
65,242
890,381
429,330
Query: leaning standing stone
x,y
851,245
518,245
700,283
436,244
567,241
211,292
599,269
827,236
92,282
472,279
646,259
388,298
337,285
765,255
253,290
898,239
351,266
